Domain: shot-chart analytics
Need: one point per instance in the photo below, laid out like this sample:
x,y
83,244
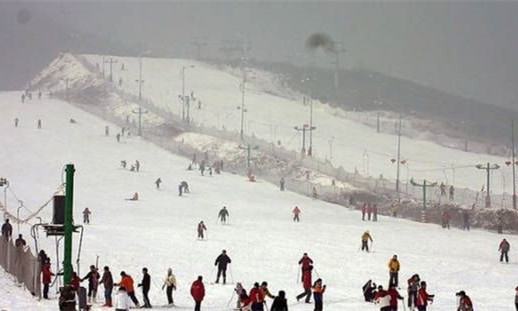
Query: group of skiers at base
x,y
255,300
369,209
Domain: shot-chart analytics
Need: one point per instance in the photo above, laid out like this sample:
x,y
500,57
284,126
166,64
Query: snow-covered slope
x,y
272,117
159,231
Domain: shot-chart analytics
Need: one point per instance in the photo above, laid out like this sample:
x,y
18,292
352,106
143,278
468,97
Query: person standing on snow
x,y
366,236
413,286
86,216
280,303
46,276
282,184
223,214
157,183
222,262
127,282
306,284
264,290
170,285
16,121
516,298
318,294
93,281
296,213
201,230
107,282
305,262
394,296
504,250
369,211
198,292
256,298
374,213
423,297
364,210
146,285
465,220
393,270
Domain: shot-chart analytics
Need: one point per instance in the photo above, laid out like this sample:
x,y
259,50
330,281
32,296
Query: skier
x,y
394,270
118,137
127,282
282,184
413,286
198,292
239,290
423,297
465,303
86,216
93,280
222,261
306,284
369,291
170,285
369,211
443,189
107,282
280,303
394,296
137,165
223,214
364,210
39,123
46,276
504,250
20,242
446,219
16,121
452,193
201,229
318,293
374,213
465,220
256,298
305,261
366,236
296,213
157,183
146,285
7,230
123,300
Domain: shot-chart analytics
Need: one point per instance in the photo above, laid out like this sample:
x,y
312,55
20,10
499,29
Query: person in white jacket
x,y
170,284
123,301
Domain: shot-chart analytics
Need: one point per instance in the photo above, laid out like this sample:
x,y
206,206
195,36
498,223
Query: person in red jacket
x,y
305,261
423,297
296,213
394,296
46,276
364,210
465,303
198,292
201,230
306,283
379,296
257,298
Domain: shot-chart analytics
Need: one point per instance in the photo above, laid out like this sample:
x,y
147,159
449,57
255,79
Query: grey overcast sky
x,y
467,48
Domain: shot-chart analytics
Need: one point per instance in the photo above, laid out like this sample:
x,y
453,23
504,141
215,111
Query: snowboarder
x,y
366,236
39,123
146,285
16,121
465,220
282,184
318,294
257,298
369,212
452,193
423,297
280,303
118,137
170,285
305,261
46,276
157,183
20,242
201,230
93,281
137,165
296,213
123,300
7,230
221,262
446,219
413,286
86,216
107,282
134,197
306,283
504,250
223,214
465,303
198,292
369,291
374,213
393,270
127,282
364,210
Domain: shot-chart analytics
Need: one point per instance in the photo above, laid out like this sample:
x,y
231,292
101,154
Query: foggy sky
x,y
467,48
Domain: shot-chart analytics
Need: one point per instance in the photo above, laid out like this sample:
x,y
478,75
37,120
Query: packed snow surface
x,y
159,230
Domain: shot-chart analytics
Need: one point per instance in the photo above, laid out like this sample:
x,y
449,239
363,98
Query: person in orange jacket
x,y
127,282
318,294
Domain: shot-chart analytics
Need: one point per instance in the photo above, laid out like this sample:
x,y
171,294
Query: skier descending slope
x,y
201,230
366,236
222,262
223,214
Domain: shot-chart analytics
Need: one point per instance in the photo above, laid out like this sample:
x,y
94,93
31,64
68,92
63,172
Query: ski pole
x,y
230,300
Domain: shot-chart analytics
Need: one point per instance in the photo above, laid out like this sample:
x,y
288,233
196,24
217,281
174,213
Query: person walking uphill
x,y
93,281
504,250
201,230
318,294
305,261
169,284
146,285
127,282
393,270
107,282
365,240
198,292
222,262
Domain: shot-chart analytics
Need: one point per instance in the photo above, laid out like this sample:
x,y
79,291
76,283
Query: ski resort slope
x,y
159,230
274,110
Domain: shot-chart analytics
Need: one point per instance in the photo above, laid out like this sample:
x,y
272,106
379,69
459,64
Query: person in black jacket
x,y
7,230
107,282
93,281
222,261
146,284
279,302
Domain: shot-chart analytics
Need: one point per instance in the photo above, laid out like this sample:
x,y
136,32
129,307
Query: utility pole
x,y
185,101
103,61
424,185
378,123
304,128
248,148
514,164
198,45
111,61
139,112
69,227
488,168
140,81
398,154
337,50
243,88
